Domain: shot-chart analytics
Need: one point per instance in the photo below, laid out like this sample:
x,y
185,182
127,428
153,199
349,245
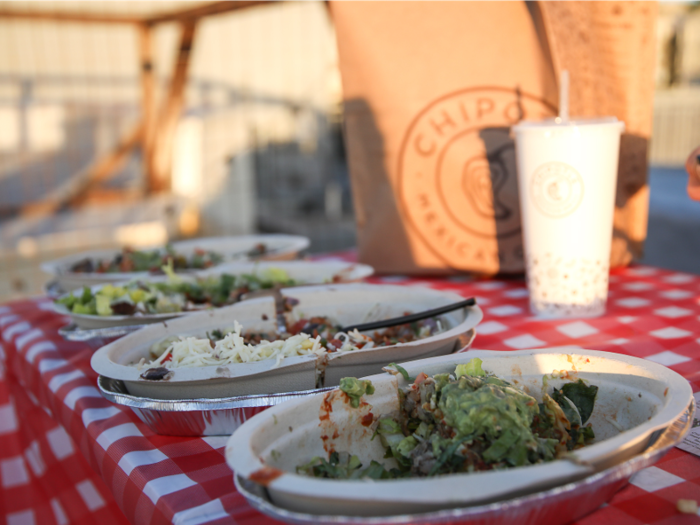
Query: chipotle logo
x,y
556,189
457,176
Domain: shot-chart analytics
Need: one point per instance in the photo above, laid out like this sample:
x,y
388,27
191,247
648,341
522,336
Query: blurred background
x,y
141,122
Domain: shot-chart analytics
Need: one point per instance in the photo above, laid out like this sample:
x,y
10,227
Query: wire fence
x,y
258,147
676,129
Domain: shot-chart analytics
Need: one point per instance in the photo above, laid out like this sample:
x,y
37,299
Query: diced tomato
x,y
420,378
168,358
367,419
298,326
127,265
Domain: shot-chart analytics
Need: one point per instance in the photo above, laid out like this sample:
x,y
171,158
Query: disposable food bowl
x,y
345,303
555,506
279,247
304,272
208,417
637,400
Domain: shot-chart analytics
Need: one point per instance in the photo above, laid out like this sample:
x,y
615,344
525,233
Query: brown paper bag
x,y
431,90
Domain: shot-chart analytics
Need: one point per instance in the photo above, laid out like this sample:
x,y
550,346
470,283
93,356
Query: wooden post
x,y
161,154
148,101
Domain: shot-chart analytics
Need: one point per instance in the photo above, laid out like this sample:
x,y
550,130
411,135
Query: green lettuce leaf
x,y
472,368
583,396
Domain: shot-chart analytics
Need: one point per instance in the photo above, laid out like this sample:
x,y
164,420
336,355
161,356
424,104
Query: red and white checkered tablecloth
x,y
67,455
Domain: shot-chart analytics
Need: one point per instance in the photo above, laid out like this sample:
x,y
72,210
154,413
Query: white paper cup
x,y
567,173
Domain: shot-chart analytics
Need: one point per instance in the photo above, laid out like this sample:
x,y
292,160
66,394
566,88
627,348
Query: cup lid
x,y
567,124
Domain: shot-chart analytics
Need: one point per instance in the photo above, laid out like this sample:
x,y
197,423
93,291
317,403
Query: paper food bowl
x,y
637,400
280,247
208,417
346,303
307,272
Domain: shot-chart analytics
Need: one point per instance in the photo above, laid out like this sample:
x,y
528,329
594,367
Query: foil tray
x,y
555,506
195,417
53,290
209,417
71,332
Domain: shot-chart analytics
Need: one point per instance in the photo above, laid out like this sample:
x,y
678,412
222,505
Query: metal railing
x,y
676,130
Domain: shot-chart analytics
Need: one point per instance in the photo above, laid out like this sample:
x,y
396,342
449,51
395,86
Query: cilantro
x,y
403,372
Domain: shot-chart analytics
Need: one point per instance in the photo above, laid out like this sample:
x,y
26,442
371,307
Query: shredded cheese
x,y
232,349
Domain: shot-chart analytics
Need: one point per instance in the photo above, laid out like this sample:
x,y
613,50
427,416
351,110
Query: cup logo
x,y
457,182
557,189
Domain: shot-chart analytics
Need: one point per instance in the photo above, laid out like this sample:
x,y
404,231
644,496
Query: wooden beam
x,y
208,9
65,16
164,134
73,190
111,196
148,99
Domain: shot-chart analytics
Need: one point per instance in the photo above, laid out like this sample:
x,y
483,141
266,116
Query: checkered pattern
x,y
69,456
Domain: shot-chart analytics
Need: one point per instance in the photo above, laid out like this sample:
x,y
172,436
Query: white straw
x,y
564,96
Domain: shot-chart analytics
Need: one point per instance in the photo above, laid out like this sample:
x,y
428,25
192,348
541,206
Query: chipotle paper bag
x,y
431,90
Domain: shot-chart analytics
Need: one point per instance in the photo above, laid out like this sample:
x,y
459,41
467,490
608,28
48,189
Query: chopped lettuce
x,y
345,466
406,445
175,295
102,304
68,301
472,368
390,434
387,426
274,275
87,309
139,295
86,296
